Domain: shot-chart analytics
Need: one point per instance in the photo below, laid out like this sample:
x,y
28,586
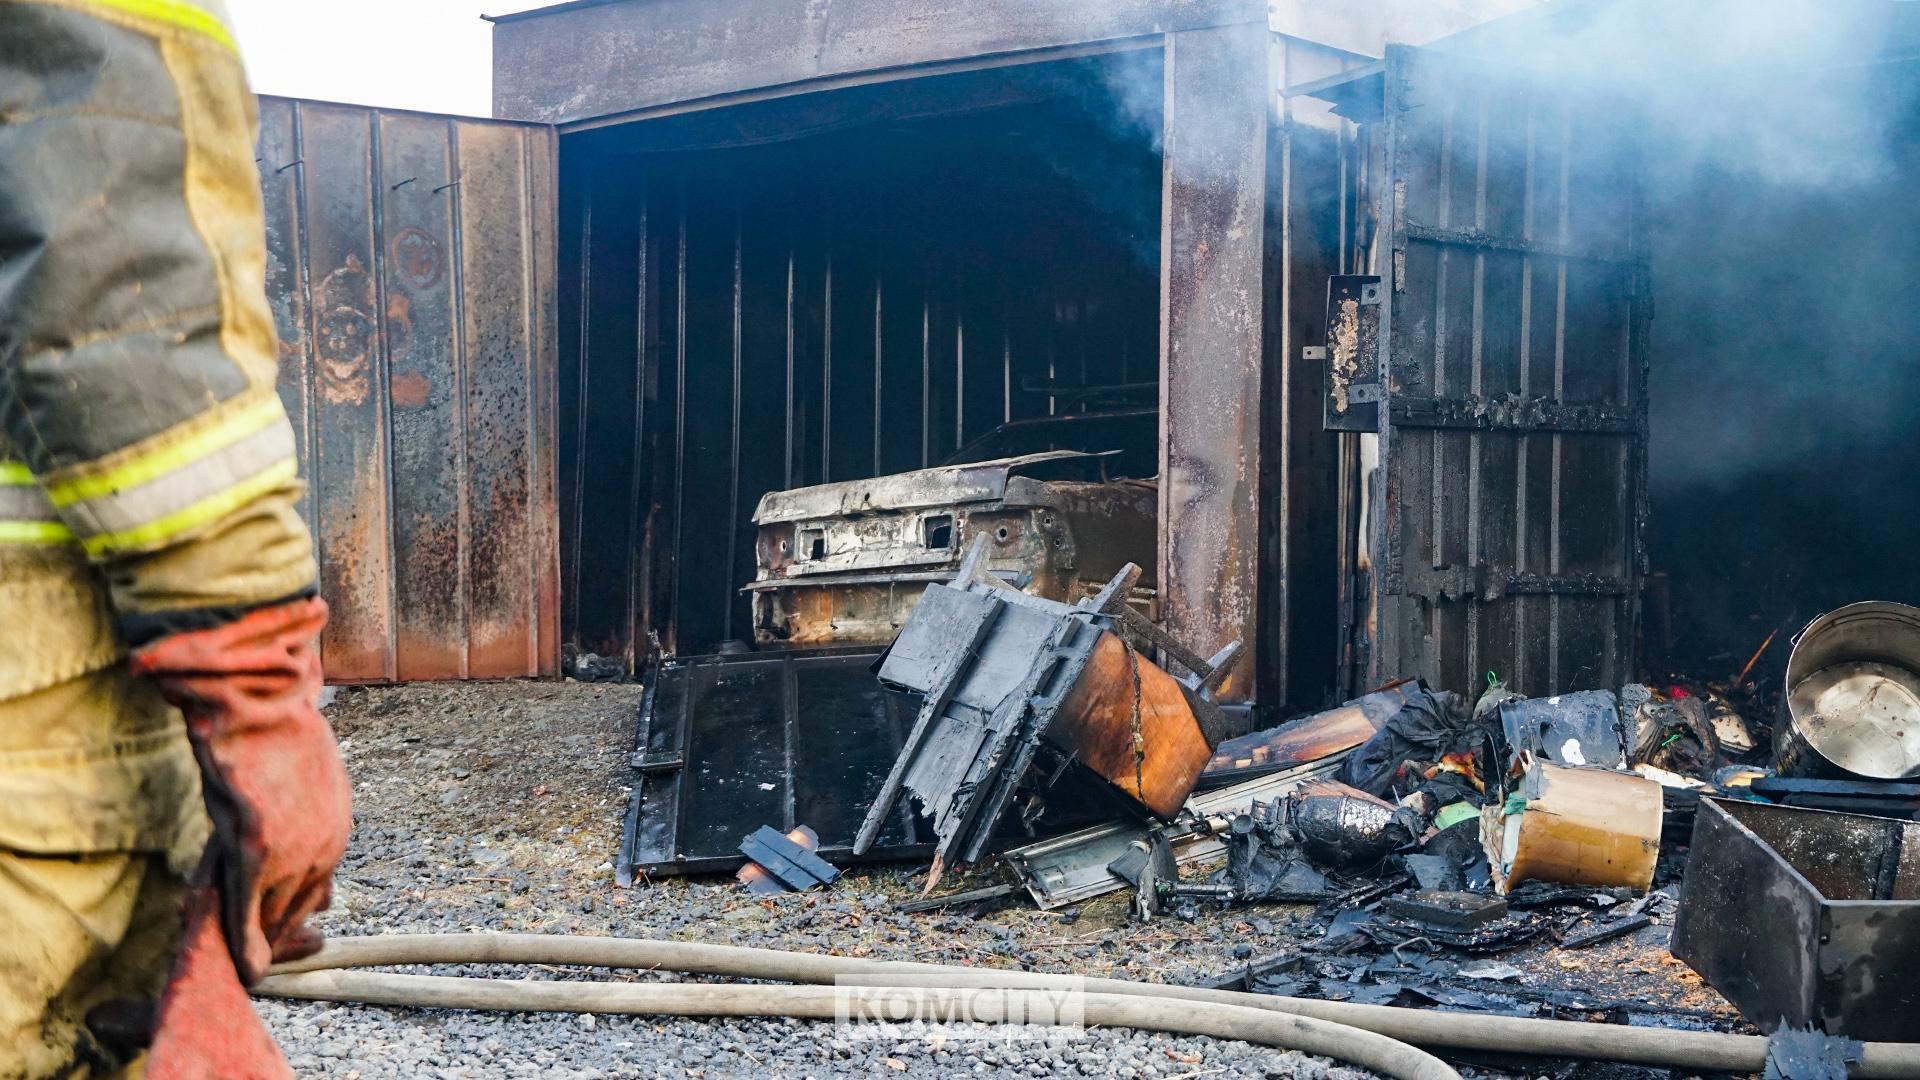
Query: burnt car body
x,y
843,564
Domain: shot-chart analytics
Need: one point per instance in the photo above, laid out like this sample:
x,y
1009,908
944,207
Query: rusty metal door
x,y
1509,504
410,267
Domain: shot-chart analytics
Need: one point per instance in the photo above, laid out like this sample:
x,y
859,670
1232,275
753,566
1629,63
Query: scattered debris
x,y
1072,868
1607,931
1432,841
1805,916
987,895
1567,729
1489,969
1671,733
787,863
1807,1054
1453,910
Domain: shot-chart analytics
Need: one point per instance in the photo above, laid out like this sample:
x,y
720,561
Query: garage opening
x,y
834,286
1783,417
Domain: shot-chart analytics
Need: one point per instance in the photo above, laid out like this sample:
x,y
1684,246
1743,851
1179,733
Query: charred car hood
x,y
944,485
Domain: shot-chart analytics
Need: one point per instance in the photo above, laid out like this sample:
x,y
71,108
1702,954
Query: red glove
x,y
271,772
207,1027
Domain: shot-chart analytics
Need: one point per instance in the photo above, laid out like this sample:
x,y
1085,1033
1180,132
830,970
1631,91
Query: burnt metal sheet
x,y
1509,510
795,867
578,61
1212,328
983,481
1805,917
410,272
1304,739
730,743
1017,689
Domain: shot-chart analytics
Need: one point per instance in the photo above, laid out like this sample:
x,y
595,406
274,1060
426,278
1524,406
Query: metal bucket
x,y
1853,696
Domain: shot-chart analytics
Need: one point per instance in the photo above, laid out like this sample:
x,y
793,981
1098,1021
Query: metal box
x,y
1805,917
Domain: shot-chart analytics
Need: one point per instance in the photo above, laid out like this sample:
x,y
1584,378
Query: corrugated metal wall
x,y
410,265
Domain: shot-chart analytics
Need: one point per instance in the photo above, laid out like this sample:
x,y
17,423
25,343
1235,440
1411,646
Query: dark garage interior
x,y
846,285
1787,388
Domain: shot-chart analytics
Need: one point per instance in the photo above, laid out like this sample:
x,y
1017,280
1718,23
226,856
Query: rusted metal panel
x,y
1211,326
279,163
423,395
347,459
411,280
507,263
587,60
1510,509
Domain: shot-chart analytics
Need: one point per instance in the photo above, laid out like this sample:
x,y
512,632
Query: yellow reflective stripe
x,y
166,459
212,508
34,532
175,13
14,474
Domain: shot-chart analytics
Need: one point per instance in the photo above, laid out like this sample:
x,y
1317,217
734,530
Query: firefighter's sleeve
x,y
136,348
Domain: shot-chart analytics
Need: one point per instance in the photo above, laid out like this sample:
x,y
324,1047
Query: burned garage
x,y
1407,503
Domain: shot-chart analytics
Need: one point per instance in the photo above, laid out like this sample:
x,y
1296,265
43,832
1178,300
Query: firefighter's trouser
x,y
147,486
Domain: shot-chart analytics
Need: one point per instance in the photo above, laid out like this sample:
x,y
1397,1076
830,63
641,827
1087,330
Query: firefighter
x,y
172,804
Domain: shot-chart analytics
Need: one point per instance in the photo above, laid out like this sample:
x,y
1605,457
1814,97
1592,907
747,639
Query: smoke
x,y
1780,90
1777,142
1781,143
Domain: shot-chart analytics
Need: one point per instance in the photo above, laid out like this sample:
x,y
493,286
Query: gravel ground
x,y
497,807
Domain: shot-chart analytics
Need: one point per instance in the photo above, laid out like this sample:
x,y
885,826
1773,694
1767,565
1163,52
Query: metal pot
x,y
1853,696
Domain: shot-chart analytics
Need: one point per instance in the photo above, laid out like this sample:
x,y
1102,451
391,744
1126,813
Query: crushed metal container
x,y
1593,827
843,564
1853,696
1805,917
1013,685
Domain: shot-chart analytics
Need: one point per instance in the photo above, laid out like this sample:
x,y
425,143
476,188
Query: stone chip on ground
x,y
497,806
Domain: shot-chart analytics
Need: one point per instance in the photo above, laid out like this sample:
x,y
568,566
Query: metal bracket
x,y
1356,337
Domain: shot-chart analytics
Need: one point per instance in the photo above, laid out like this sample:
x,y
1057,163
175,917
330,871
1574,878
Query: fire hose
x,y
1380,1038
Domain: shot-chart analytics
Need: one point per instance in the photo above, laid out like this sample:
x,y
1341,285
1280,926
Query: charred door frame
x,y
1476,560
1217,103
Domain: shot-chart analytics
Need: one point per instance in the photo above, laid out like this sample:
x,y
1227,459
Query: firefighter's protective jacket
x,y
147,468
147,474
